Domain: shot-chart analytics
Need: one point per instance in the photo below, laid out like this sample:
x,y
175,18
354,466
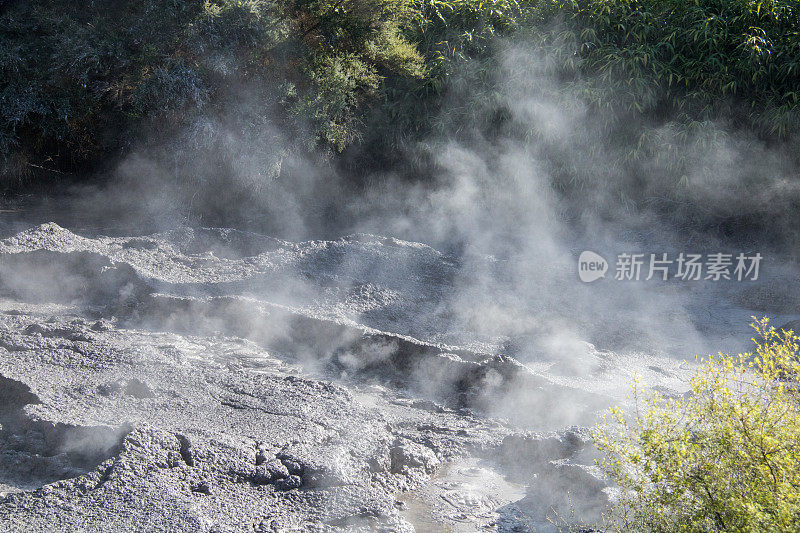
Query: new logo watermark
x,y
685,266
591,267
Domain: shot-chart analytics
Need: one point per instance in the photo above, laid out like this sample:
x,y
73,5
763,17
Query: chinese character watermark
x,y
685,267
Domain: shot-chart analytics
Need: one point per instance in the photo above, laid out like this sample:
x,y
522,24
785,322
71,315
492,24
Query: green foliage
x,y
702,58
725,457
80,81
458,40
462,29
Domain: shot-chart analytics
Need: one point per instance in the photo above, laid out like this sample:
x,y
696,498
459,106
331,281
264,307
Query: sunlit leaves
x,y
724,457
699,52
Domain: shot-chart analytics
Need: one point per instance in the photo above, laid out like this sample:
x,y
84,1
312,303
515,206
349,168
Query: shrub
x,y
81,81
724,457
703,58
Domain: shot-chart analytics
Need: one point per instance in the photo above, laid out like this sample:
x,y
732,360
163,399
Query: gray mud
x,y
218,380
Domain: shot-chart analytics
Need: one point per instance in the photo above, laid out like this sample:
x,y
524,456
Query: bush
x,y
737,59
81,81
725,457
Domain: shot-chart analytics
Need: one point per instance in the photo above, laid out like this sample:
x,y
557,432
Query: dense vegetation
x,y
82,80
701,58
361,83
724,457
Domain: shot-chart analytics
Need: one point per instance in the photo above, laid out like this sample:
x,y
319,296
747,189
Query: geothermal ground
x,y
218,380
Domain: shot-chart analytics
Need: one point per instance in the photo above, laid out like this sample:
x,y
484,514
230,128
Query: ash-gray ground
x,y
218,380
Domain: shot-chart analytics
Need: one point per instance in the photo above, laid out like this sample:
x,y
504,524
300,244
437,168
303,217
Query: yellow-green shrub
x,y
724,457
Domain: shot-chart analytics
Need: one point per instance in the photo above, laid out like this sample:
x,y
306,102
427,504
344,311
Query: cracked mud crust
x,y
215,380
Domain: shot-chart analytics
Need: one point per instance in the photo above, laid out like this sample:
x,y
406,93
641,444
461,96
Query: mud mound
x,y
66,277
36,452
217,380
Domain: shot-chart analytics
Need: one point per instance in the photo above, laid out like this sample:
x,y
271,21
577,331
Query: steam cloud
x,y
511,212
